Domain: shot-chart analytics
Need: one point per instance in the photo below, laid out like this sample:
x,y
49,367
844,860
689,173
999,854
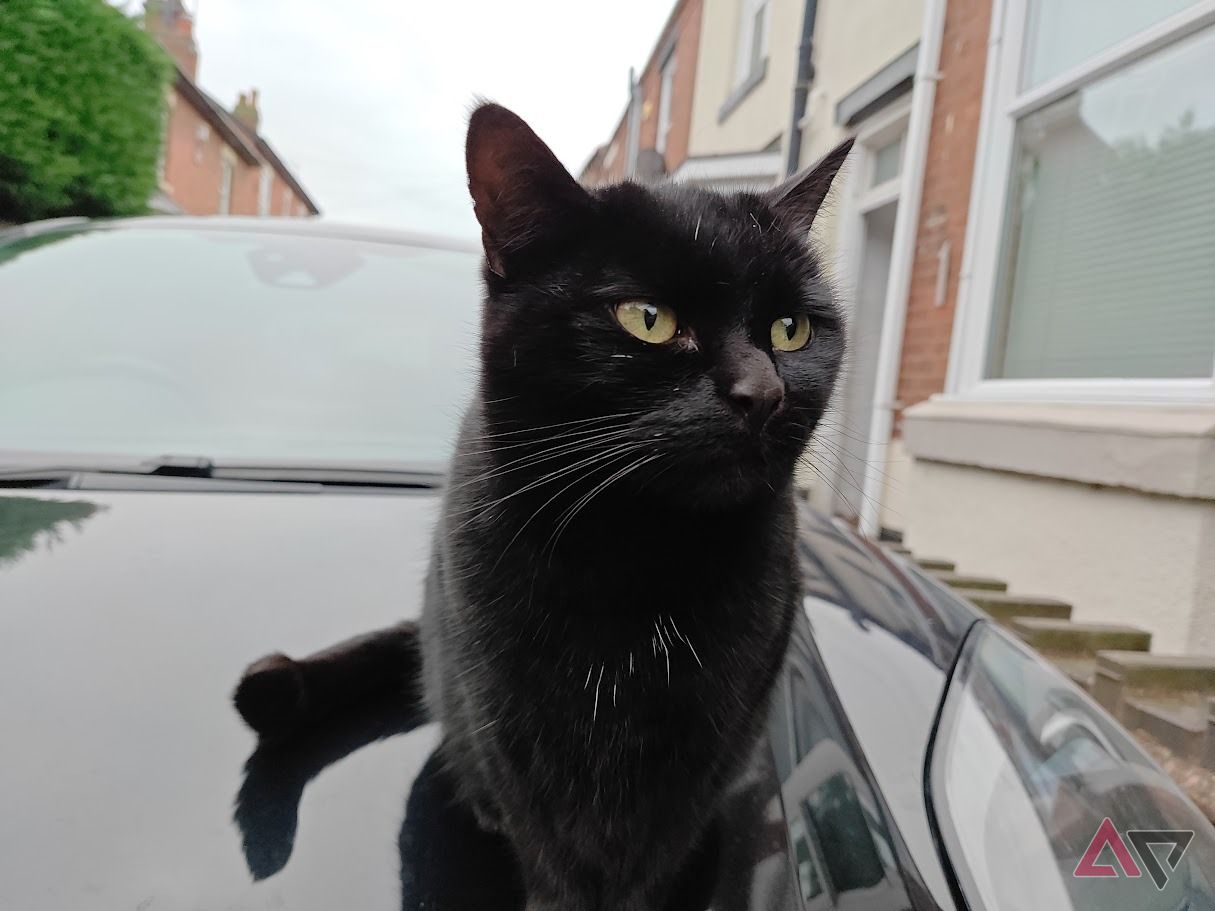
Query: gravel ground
x,y
1197,781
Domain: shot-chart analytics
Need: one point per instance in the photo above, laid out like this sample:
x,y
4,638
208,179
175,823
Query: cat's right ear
x,y
519,188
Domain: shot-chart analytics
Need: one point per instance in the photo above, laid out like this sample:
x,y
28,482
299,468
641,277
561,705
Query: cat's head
x,y
686,333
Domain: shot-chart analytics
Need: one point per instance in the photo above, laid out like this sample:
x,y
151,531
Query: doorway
x,y
867,223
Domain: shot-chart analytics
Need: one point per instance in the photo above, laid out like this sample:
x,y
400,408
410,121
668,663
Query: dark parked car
x,y
221,437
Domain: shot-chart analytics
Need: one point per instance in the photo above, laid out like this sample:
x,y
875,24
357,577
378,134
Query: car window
x,y
234,345
1041,798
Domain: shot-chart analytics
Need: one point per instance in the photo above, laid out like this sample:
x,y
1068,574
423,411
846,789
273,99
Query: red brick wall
x,y
946,196
684,23
192,168
686,26
192,171
604,171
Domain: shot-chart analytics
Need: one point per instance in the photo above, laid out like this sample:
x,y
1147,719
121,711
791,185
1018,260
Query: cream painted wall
x,y
764,114
853,40
1117,555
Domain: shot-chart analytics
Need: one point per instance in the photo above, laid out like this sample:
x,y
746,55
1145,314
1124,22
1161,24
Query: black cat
x,y
613,577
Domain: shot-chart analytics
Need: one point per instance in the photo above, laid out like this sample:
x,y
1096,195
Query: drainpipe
x,y
633,133
906,223
801,88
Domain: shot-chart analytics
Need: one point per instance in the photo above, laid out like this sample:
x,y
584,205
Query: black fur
x,y
613,577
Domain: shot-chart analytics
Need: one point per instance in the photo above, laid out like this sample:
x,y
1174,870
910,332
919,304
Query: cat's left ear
x,y
797,201
520,190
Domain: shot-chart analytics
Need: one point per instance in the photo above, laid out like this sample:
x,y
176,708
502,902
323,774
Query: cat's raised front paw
x,y
272,696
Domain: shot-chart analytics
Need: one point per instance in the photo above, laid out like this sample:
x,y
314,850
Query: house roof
x,y
271,157
219,119
244,141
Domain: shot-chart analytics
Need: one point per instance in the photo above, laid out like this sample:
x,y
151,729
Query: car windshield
x,y
237,345
1044,803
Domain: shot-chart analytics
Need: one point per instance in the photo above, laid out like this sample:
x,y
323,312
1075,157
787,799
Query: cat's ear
x,y
797,201
518,186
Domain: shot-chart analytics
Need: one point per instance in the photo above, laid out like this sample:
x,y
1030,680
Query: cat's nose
x,y
757,395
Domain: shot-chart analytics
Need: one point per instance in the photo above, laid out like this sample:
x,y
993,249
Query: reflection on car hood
x,y
125,621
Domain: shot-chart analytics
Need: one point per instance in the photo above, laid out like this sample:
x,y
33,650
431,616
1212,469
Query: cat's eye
x,y
648,322
791,333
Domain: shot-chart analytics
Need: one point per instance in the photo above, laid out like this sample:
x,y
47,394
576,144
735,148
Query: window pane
x,y
1063,33
1109,266
886,162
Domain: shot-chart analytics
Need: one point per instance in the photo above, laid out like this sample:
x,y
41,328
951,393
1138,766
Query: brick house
x,y
650,141
1023,241
214,161
1055,399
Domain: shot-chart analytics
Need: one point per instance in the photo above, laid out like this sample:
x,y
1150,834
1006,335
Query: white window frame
x,y
227,175
859,197
265,181
746,36
1004,104
666,88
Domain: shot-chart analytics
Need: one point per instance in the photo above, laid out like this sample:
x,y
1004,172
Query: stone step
x,y
1065,637
935,563
1080,669
890,534
1003,606
1191,673
1123,674
1180,726
957,580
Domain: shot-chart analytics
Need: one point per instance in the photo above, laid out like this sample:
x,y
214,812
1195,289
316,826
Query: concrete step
x,y
1196,778
1065,637
935,563
1003,606
1125,674
957,580
1181,726
1080,669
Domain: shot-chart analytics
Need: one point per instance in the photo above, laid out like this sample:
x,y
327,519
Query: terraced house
x,y
214,161
1024,244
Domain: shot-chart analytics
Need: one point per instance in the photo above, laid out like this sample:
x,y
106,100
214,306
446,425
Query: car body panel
x,y
125,621
129,781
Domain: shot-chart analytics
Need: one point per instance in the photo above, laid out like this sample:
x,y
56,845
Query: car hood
x,y
125,621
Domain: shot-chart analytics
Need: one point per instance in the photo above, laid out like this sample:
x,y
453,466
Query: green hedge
x,y
82,91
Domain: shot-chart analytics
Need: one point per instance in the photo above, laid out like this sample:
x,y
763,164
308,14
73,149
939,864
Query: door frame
x,y
857,201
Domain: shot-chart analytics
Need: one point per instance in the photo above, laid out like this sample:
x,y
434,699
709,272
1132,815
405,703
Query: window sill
x,y
742,90
1157,450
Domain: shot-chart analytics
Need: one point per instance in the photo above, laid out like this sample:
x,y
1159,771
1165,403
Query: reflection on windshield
x,y
24,521
1025,771
241,345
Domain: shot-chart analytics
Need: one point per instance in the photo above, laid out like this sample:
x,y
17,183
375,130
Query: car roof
x,y
291,227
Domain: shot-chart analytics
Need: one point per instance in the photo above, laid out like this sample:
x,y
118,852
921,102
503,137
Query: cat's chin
x,y
720,481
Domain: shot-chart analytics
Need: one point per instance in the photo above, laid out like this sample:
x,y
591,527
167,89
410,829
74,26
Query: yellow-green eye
x,y
648,322
791,333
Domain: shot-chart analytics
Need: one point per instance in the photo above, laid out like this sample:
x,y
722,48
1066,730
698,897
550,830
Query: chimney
x,y
246,110
171,24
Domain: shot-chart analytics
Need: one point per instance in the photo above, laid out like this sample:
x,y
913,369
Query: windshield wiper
x,y
176,472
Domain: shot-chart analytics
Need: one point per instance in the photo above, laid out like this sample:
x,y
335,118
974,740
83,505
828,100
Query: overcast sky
x,y
367,99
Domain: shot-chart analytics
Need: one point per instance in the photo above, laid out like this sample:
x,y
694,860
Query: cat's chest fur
x,y
641,648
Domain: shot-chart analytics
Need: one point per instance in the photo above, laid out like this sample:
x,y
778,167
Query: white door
x,y
865,331
866,233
